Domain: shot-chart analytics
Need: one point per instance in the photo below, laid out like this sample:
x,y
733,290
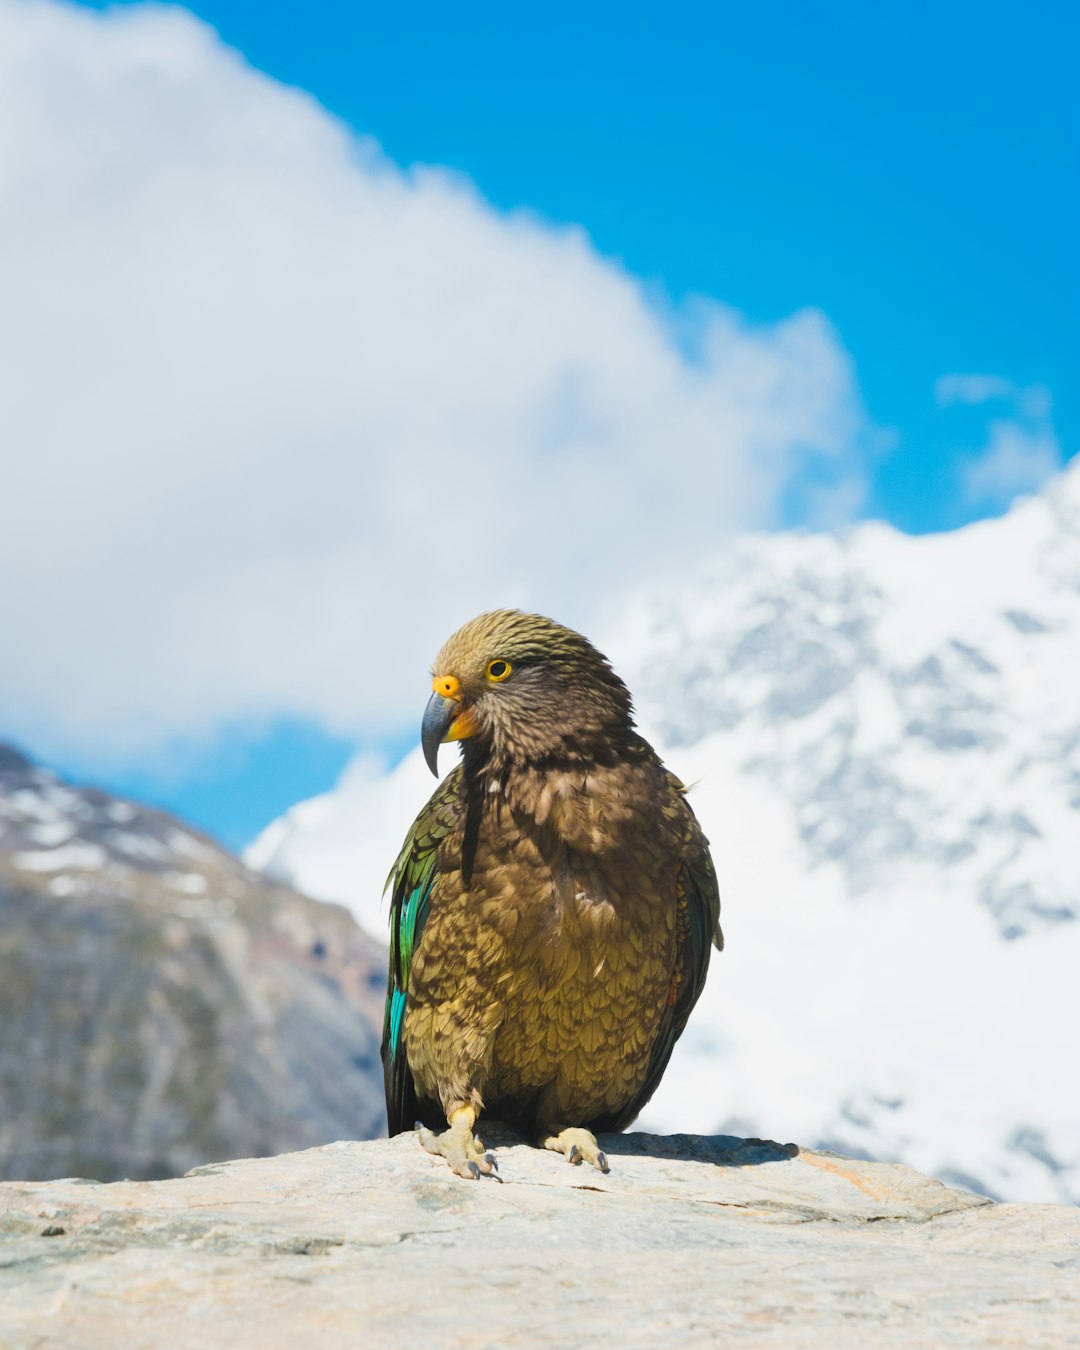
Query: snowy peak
x,y
912,700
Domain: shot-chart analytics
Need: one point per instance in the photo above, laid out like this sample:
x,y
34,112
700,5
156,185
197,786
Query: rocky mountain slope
x,y
161,1005
687,1241
884,737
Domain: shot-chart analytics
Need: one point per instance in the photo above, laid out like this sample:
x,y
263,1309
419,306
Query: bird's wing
x,y
410,883
698,930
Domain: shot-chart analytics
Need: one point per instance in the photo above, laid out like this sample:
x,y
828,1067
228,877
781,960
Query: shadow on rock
x,y
722,1150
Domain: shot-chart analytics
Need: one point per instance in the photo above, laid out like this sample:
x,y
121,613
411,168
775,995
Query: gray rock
x,y
687,1241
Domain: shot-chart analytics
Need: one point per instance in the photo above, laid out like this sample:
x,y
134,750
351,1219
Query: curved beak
x,y
438,715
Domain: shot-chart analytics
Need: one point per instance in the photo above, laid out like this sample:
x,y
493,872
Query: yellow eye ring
x,y
498,670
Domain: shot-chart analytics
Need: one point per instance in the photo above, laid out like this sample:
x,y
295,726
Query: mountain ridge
x,y
161,1004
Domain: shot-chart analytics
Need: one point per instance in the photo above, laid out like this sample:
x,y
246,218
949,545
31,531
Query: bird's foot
x,y
462,1149
578,1146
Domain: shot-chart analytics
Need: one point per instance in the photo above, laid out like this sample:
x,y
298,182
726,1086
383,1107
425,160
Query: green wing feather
x,y
698,932
410,883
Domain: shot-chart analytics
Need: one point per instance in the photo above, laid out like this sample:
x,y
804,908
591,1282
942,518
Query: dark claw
x,y
492,1160
573,1156
418,1124
474,1171
601,1159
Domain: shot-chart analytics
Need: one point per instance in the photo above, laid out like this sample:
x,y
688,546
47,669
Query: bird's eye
x,y
498,670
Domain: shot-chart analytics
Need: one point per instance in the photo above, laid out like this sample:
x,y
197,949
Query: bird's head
x,y
525,689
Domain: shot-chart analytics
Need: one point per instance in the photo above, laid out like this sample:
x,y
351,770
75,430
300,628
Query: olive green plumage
x,y
554,904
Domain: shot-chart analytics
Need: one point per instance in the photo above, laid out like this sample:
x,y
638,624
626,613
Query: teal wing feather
x,y
411,881
698,932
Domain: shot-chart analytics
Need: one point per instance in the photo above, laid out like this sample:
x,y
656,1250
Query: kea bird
x,y
552,909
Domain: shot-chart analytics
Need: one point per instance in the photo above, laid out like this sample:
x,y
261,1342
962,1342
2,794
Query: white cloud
x,y
973,389
278,414
1017,459
1021,452
1032,401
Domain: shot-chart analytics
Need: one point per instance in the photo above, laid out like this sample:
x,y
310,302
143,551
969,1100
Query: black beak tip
x,y
438,715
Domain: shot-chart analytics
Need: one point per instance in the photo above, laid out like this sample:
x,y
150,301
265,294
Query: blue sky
x,y
911,173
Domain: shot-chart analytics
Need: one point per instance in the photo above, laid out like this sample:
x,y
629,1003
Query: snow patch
x,y
78,856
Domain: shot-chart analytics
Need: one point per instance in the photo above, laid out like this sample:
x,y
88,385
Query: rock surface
x,y
161,1004
688,1241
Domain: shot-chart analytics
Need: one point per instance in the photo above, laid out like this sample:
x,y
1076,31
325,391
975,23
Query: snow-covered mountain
x,y
884,733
